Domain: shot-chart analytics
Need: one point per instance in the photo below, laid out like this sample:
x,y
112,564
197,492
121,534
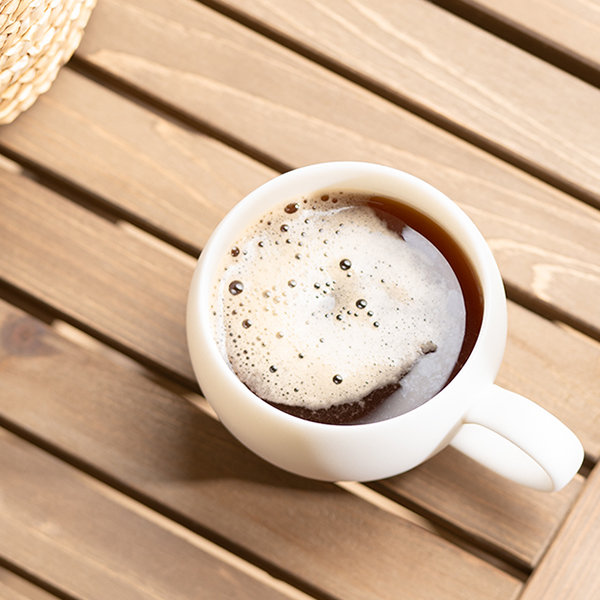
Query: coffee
x,y
345,307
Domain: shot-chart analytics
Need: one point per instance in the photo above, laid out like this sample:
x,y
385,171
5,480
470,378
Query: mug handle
x,y
518,439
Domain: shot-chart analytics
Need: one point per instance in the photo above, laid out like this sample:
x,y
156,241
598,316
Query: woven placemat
x,y
37,37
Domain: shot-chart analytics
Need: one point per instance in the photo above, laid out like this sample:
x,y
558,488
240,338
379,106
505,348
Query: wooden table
x,y
116,481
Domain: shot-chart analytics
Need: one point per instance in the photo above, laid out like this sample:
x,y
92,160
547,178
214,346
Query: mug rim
x,y
199,323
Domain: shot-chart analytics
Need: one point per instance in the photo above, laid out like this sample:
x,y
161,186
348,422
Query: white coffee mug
x,y
502,430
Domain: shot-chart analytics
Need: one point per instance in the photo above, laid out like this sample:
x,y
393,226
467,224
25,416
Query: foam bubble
x,y
318,347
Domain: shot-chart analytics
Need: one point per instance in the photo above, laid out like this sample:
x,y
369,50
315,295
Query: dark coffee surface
x,y
345,413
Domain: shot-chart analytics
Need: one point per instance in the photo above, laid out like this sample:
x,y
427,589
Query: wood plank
x,y
129,429
171,179
414,50
137,299
571,568
217,70
93,542
571,26
13,587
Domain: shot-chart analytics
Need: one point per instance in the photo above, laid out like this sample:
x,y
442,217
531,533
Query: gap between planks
x,y
371,494
48,314
30,584
518,35
400,100
16,163
473,544
171,113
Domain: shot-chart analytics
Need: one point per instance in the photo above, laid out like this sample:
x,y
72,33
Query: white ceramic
x,y
506,432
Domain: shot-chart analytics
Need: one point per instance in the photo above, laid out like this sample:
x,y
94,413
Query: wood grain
x,y
573,26
571,568
127,428
94,543
13,587
456,71
167,177
135,295
273,99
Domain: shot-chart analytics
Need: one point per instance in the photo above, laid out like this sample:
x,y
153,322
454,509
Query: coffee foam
x,y
320,303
